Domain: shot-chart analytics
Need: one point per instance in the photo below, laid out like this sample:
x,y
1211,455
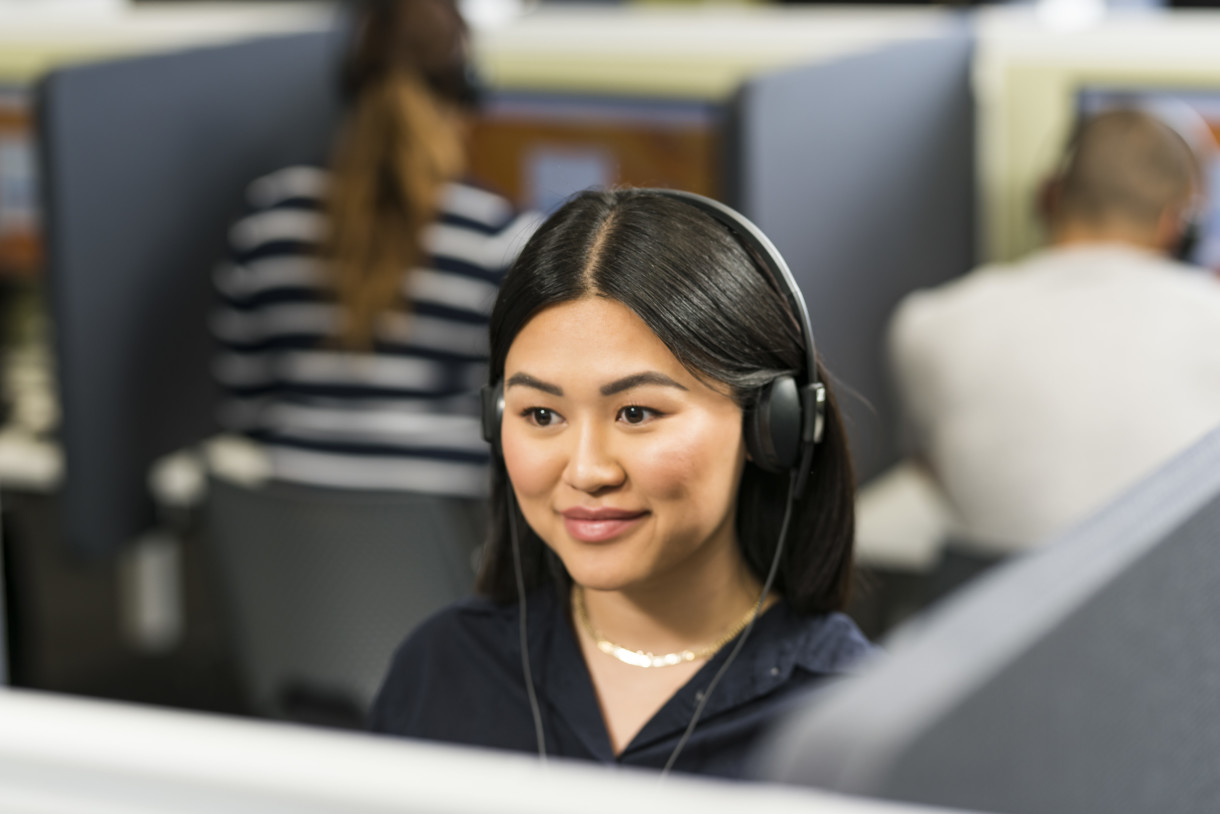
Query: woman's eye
x,y
636,415
541,416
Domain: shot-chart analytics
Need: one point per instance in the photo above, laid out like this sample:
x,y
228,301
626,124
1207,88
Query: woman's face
x,y
625,464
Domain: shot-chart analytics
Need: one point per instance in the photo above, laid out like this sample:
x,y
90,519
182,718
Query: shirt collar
x,y
780,643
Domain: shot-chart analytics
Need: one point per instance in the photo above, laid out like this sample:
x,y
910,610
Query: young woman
x,y
633,527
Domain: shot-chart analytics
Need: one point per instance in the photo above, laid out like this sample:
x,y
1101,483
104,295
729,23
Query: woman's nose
x,y
592,464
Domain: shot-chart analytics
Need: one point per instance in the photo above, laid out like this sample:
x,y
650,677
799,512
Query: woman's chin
x,y
600,578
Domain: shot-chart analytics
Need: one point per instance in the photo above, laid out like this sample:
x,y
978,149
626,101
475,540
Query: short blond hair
x,y
1126,165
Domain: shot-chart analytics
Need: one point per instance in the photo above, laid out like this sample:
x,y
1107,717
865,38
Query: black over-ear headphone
x,y
788,418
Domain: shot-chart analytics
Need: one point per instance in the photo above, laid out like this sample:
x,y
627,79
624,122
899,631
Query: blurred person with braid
x,y
354,311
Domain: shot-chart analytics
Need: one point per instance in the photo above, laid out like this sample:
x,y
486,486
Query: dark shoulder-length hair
x,y
699,291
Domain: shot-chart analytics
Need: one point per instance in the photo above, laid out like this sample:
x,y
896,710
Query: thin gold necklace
x,y
643,658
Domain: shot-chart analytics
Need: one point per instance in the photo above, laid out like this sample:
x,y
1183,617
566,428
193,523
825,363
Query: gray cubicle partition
x,y
144,165
861,171
1083,677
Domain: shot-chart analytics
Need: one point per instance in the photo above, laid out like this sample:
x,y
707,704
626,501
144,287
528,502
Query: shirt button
x,y
774,671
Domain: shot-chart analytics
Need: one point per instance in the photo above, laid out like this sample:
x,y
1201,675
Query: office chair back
x,y
323,584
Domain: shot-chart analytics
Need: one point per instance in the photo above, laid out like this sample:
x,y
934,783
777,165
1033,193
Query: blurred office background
x,y
883,148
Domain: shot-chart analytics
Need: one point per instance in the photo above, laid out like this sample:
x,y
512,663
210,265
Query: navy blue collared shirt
x,y
458,678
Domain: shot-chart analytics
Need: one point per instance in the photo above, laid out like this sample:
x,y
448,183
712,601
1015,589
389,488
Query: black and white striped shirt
x,y
401,416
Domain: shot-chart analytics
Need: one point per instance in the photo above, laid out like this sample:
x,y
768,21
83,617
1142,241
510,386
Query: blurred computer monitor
x,y
540,148
61,755
1083,677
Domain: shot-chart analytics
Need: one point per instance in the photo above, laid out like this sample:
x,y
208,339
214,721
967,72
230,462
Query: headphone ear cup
x,y
773,427
492,396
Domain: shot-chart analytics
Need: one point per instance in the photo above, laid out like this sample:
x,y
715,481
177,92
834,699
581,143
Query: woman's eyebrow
x,y
527,380
638,379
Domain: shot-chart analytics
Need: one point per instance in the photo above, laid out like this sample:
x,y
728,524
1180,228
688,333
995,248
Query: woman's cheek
x,y
675,462
528,465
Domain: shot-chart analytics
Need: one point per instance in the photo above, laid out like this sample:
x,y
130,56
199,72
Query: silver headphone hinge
x,y
813,402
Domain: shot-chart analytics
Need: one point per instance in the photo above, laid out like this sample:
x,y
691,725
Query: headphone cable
x,y
527,673
741,640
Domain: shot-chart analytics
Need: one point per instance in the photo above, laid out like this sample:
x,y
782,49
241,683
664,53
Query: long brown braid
x,y
401,143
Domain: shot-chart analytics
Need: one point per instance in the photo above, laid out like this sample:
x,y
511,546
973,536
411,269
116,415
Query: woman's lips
x,y
599,525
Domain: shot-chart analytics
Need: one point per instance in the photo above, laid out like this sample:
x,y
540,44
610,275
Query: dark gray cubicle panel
x,y
1083,677
145,161
861,171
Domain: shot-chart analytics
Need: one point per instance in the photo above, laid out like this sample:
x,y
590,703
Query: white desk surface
x,y
902,520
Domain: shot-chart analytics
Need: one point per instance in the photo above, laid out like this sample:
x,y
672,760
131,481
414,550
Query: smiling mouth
x,y
596,526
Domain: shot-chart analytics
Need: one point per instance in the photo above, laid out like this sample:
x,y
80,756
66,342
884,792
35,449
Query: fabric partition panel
x,y
1082,677
861,171
145,162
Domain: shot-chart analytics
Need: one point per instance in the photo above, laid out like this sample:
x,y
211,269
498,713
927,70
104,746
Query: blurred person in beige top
x,y
1038,391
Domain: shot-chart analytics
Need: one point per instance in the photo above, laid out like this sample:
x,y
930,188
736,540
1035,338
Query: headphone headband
x,y
763,250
